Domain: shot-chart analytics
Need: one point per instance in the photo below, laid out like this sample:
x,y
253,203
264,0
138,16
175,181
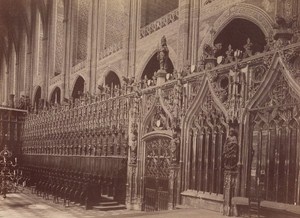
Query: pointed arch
x,y
78,87
205,89
144,60
271,135
158,112
112,79
153,66
278,68
205,130
37,96
55,96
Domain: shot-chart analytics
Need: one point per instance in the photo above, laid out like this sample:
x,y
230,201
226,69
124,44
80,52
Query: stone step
x,y
106,198
108,203
112,207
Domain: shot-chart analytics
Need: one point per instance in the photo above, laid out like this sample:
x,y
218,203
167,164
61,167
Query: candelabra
x,y
10,175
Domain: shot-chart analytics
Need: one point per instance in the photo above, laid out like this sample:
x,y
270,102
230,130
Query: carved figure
x,y
248,48
24,103
283,23
210,51
128,81
163,54
229,55
230,153
269,45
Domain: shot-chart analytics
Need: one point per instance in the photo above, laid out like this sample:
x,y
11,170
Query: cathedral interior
x,y
152,105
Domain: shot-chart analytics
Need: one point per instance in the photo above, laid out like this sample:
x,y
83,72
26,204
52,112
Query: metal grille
x,y
157,174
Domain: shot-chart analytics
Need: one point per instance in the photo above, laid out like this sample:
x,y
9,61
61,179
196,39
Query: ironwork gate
x,y
157,162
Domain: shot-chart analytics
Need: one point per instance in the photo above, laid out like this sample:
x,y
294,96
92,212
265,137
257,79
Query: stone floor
x,y
27,205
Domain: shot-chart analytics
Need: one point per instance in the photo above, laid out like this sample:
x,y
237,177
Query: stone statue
x,y
163,54
24,103
284,23
229,55
248,48
210,51
230,153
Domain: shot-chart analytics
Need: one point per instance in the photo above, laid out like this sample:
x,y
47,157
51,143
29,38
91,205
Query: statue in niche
x,y
230,153
163,54
248,48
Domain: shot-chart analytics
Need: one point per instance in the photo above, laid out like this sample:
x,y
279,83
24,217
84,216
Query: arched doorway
x,y
37,97
112,80
55,97
157,171
236,34
153,66
78,88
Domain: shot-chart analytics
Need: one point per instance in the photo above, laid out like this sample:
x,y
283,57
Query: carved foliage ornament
x,y
208,115
280,93
172,98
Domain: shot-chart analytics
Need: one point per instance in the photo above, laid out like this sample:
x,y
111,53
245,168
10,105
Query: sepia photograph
x,y
149,108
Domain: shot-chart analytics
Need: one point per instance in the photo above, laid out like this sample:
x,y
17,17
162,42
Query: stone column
x,y
230,160
184,42
195,22
133,197
133,34
65,92
229,188
6,87
92,55
45,72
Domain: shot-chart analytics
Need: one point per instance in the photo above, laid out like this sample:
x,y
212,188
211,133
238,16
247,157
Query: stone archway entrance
x,y
157,171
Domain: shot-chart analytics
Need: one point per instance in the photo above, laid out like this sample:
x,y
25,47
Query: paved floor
x,y
27,205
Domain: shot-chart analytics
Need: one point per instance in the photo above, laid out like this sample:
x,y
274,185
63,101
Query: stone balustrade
x,y
159,23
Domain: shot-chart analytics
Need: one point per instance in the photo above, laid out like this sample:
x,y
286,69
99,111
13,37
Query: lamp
x,y
10,175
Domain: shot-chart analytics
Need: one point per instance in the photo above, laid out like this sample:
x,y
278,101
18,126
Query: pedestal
x,y
210,63
229,187
161,77
283,36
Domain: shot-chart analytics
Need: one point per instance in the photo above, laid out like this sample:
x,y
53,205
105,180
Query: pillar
x,y
184,42
92,55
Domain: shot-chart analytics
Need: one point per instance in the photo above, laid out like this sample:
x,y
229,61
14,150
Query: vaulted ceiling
x,y
15,20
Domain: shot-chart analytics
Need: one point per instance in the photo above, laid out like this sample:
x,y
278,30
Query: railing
x,y
55,79
110,50
78,67
159,23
